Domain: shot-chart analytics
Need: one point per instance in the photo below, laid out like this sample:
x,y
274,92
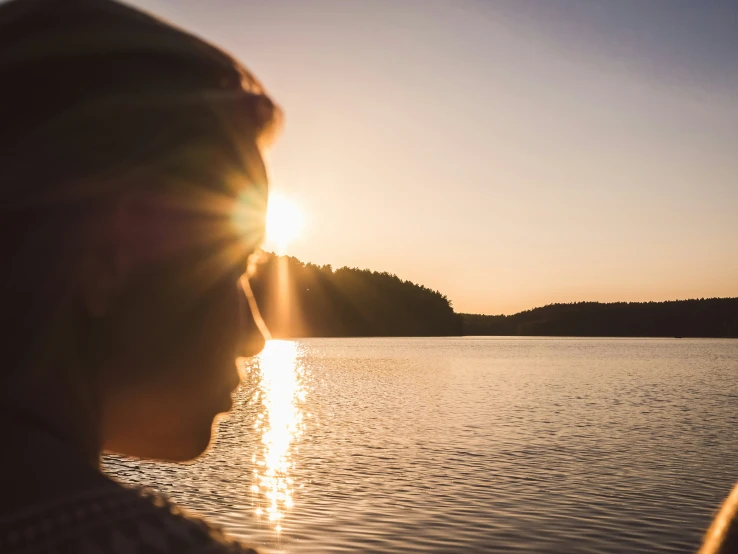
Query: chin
x,y
195,443
196,435
187,445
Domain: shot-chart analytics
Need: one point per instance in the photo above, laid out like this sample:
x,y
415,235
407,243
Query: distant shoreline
x,y
526,337
307,300
698,318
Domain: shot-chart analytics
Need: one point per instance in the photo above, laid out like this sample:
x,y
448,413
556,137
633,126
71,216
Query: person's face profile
x,y
176,333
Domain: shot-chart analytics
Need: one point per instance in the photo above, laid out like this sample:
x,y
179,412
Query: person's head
x,y
133,193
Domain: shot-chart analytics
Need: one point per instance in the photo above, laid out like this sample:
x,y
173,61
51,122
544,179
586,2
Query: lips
x,y
226,403
232,388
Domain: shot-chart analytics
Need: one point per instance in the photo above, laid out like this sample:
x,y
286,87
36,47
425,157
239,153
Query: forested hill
x,y
306,300
708,317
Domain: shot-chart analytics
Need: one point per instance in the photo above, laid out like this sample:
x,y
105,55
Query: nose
x,y
253,330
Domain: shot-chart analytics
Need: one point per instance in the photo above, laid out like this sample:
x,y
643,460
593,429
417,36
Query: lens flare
x,y
248,217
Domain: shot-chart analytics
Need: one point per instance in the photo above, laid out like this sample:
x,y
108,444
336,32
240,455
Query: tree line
x,y
704,317
306,300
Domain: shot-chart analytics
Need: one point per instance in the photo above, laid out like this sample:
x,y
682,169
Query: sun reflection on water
x,y
280,395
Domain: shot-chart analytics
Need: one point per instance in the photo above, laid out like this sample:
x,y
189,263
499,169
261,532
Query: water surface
x,y
469,444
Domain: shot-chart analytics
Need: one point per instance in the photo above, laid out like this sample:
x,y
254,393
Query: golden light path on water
x,y
279,396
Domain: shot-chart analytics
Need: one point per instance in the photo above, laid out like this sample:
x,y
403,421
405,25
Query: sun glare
x,y
281,395
284,223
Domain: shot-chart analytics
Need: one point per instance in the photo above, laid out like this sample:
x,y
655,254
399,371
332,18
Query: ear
x,y
109,257
102,277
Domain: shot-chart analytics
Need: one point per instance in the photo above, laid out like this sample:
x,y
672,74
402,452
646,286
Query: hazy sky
x,y
508,153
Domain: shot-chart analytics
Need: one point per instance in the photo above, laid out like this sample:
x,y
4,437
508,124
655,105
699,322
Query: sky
x,y
507,153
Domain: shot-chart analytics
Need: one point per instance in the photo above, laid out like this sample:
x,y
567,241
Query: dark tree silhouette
x,y
306,300
705,317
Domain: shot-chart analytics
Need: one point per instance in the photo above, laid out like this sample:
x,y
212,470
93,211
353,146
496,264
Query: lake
x,y
469,444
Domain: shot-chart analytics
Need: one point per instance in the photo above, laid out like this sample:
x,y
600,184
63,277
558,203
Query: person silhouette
x,y
134,197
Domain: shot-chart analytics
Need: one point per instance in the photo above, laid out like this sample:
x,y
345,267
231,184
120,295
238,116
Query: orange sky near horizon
x,y
508,154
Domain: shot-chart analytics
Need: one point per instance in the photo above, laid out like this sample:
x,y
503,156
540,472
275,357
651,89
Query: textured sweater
x,y
53,502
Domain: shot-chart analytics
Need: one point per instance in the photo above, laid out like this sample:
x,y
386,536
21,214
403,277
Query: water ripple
x,y
477,445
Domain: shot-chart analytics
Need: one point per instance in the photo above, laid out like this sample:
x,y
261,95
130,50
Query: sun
x,y
284,223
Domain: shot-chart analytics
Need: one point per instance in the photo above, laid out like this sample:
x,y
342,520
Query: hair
x,y
97,96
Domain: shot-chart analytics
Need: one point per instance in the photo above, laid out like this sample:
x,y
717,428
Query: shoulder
x,y
113,519
722,536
